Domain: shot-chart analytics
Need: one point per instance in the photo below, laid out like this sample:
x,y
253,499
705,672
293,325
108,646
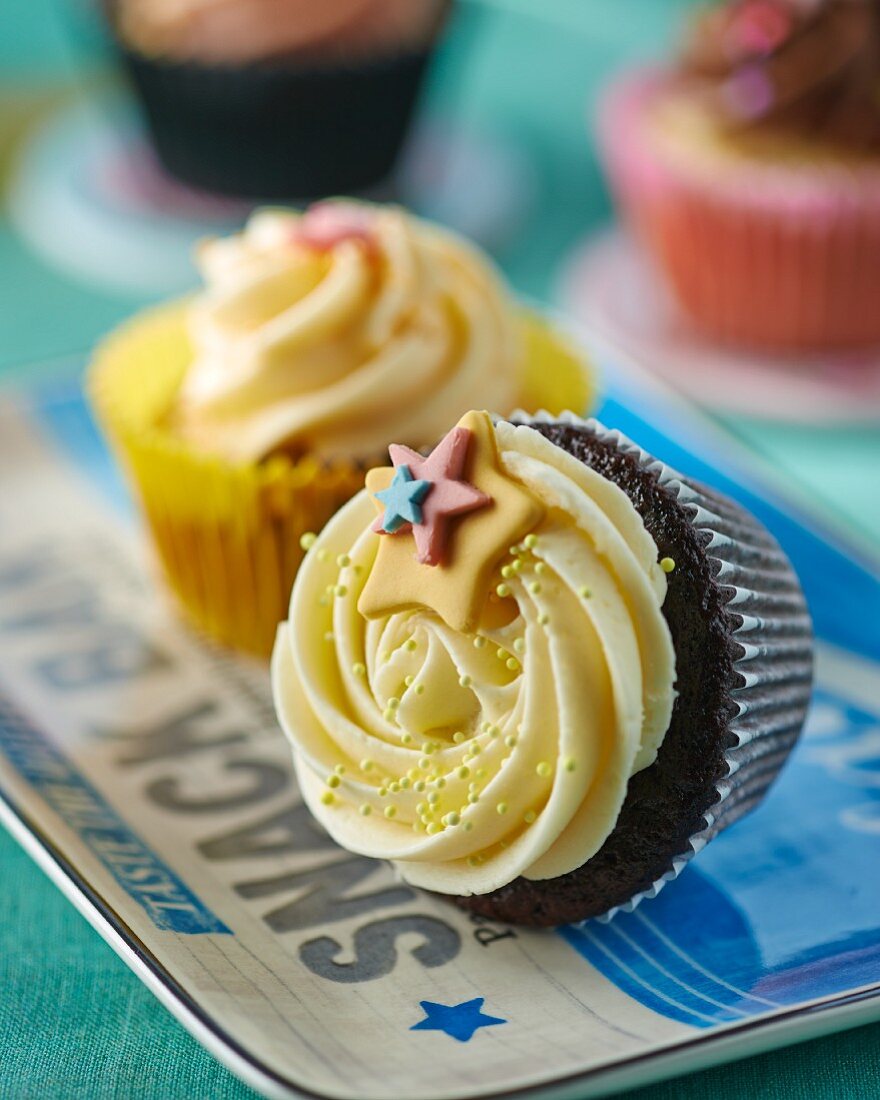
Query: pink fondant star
x,y
448,496
326,224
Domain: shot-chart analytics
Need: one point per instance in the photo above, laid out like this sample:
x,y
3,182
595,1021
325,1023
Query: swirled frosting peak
x,y
333,331
471,756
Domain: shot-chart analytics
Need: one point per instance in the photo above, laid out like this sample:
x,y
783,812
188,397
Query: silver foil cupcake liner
x,y
771,629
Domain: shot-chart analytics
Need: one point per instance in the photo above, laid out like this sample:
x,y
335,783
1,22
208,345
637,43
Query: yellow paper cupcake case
x,y
228,535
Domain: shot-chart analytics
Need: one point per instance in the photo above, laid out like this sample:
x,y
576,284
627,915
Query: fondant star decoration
x,y
467,544
402,500
449,495
459,1021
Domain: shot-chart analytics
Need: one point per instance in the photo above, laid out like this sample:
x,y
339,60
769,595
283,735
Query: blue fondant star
x,y
402,499
459,1021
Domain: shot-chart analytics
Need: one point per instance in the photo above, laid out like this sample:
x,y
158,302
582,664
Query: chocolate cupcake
x,y
539,670
277,99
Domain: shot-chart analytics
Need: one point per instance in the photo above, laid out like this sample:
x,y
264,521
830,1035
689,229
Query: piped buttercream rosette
x,y
332,331
476,661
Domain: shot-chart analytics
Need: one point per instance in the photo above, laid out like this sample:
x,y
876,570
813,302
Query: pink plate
x,y
610,287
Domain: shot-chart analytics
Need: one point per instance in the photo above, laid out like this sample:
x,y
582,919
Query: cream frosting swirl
x,y
471,759
230,31
334,347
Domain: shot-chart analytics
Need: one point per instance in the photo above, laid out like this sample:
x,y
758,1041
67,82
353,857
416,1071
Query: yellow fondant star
x,y
458,587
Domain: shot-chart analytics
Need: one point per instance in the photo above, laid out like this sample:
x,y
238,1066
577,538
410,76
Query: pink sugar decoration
x,y
748,94
449,495
760,28
327,224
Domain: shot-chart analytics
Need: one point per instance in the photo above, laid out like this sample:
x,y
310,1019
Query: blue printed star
x,y
459,1021
402,499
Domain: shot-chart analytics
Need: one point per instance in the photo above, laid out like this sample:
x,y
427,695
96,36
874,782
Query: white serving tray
x,y
143,770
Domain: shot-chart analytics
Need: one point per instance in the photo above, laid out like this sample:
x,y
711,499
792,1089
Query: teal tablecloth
x,y
74,1022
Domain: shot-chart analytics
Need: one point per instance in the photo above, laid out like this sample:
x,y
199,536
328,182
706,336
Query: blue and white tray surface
x,y
143,770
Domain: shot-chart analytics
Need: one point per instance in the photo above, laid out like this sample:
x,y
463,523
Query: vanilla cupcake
x,y
538,670
332,333
247,414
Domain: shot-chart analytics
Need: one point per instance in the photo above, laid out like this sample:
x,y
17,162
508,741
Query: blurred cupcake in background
x,y
750,171
246,415
277,98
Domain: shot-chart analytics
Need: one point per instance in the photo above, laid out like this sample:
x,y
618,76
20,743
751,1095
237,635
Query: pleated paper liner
x,y
771,645
228,535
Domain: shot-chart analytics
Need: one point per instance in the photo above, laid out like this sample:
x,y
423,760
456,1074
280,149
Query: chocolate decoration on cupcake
x,y
547,724
810,68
